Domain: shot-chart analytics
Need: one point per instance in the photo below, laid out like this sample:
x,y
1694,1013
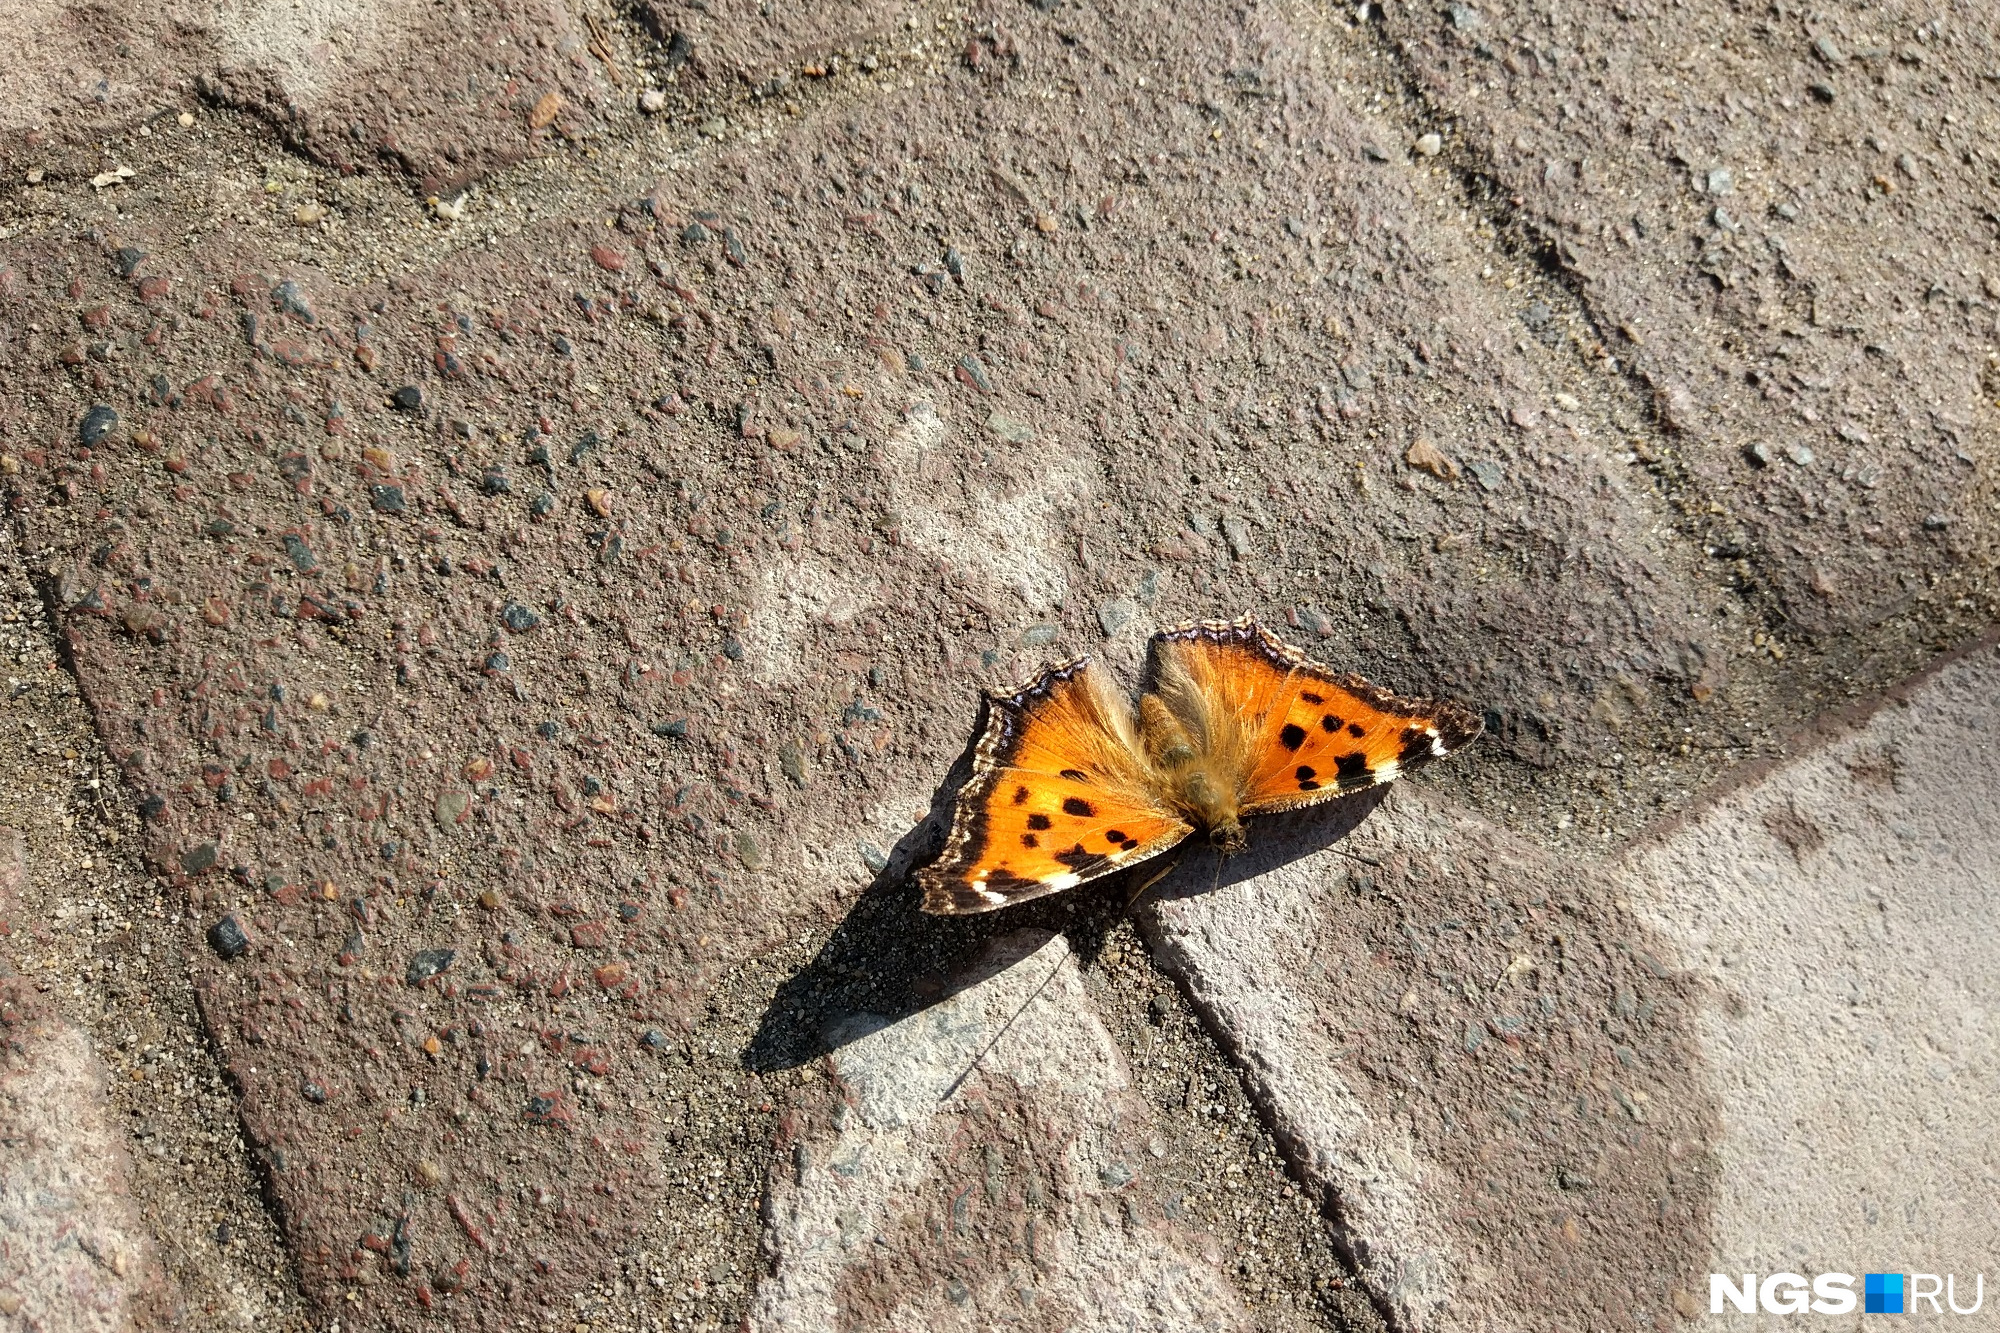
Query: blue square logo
x,y
1882,1293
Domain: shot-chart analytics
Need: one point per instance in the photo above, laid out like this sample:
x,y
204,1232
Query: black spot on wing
x,y
1114,835
1079,860
1306,784
1416,747
1075,775
1306,773
1039,821
1352,770
1020,795
1001,880
1356,730
1292,736
1311,698
1330,724
1030,840
1076,805
1128,844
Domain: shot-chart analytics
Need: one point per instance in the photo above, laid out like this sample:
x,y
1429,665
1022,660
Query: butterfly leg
x,y
1173,863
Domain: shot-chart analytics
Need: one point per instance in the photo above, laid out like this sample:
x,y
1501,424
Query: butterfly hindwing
x,y
1296,733
1058,797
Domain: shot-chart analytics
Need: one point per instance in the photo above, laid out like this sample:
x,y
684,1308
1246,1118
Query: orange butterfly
x,y
1069,783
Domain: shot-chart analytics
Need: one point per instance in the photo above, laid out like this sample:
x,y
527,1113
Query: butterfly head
x,y
1226,837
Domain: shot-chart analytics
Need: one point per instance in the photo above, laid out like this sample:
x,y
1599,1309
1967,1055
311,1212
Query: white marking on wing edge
x,y
1387,772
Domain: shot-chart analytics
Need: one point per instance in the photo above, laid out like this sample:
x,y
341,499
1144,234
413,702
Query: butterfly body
x,y
1072,781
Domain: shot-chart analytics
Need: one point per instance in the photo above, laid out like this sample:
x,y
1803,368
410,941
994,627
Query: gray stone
x,y
1836,917
1010,429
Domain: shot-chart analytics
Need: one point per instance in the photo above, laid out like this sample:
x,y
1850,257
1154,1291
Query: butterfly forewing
x,y
1299,733
1340,734
1058,797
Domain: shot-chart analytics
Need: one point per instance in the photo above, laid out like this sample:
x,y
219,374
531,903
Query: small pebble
x,y
1430,145
1236,535
98,423
792,761
427,963
1010,429
1425,455
1800,454
309,214
653,101
408,398
227,937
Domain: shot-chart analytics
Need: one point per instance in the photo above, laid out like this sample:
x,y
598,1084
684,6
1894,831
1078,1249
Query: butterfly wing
x,y
1295,733
1059,795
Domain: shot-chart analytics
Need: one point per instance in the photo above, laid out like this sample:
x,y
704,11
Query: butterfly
x,y
1071,781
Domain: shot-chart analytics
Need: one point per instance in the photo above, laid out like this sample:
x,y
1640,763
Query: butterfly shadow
x,y
1274,840
887,959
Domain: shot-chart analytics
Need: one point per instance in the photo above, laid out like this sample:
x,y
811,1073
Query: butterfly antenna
x,y
959,1082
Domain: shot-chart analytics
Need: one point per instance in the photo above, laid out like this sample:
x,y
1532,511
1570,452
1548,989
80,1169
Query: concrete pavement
x,y
526,498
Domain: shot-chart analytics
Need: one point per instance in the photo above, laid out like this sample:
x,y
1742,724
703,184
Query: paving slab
x,y
1836,918
439,97
76,1256
431,92
1473,1048
983,1161
108,1000
1773,217
78,72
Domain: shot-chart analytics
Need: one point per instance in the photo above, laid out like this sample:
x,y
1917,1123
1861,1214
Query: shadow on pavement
x,y
888,960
